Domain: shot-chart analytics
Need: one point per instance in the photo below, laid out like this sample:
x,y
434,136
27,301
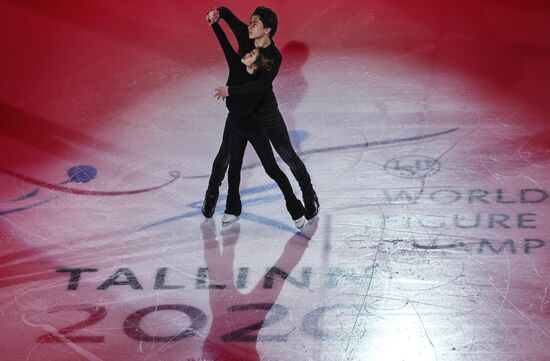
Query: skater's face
x,y
256,28
249,58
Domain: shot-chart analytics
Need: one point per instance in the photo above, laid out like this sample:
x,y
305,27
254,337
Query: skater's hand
x,y
213,16
222,92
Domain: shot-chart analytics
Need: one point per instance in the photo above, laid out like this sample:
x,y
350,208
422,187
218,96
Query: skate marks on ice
x,y
270,198
350,146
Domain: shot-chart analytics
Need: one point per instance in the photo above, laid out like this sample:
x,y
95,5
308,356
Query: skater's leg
x,y
262,147
219,167
278,135
221,162
238,146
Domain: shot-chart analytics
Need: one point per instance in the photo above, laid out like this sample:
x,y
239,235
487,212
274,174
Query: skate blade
x,y
312,220
228,223
300,222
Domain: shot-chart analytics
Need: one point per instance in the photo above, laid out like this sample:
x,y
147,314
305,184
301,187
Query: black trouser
x,y
278,135
261,145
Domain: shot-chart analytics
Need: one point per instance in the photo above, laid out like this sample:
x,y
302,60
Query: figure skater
x,y
243,128
258,34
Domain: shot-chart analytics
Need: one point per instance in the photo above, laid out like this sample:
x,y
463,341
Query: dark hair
x,y
268,18
265,59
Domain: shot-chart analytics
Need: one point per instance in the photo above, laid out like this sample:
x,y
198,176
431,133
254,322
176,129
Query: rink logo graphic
x,y
485,246
80,174
465,196
412,166
257,316
333,277
458,221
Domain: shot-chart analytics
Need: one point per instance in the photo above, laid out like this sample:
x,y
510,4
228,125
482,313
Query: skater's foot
x,y
295,208
228,219
300,222
310,228
209,204
312,206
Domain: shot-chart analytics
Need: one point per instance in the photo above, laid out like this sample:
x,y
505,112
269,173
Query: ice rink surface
x,y
424,126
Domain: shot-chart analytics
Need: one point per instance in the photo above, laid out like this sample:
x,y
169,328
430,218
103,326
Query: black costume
x,y
244,128
267,114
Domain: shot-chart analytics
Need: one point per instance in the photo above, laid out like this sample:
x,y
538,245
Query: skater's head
x,y
259,59
263,22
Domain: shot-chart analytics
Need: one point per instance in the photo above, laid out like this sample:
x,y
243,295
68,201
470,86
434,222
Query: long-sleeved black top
x,y
264,82
241,107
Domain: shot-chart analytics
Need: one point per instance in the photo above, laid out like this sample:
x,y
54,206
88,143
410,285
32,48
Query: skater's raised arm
x,y
239,28
228,51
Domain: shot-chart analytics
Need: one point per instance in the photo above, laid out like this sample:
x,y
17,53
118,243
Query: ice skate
x,y
312,206
229,219
209,204
300,222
